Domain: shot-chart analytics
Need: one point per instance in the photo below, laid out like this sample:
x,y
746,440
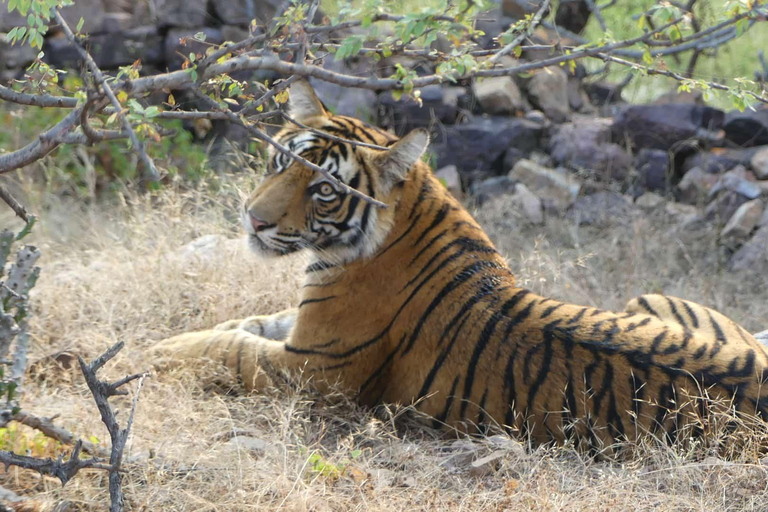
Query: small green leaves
x,y
80,24
349,47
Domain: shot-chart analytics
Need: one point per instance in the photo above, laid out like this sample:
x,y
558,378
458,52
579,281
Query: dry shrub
x,y
119,272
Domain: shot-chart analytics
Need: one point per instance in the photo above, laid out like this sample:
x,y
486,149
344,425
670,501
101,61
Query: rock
x,y
764,219
748,128
181,13
437,106
572,15
680,210
208,247
600,209
762,337
179,42
585,145
737,180
649,201
666,126
675,96
482,191
548,91
347,101
241,12
559,189
15,56
486,465
499,96
724,206
653,167
537,116
117,22
753,255
759,164
449,176
577,97
743,220
529,204
695,186
481,144
123,48
604,93
248,444
519,9
719,160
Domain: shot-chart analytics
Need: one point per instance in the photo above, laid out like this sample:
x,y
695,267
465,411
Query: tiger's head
x,y
295,207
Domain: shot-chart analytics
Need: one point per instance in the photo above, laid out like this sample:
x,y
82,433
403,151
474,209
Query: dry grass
x,y
118,272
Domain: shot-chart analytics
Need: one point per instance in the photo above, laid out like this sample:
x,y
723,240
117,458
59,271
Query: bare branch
x,y
11,201
36,100
526,33
101,81
64,471
334,138
46,426
595,10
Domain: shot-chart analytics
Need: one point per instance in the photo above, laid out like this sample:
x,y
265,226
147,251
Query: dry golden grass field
x,y
120,271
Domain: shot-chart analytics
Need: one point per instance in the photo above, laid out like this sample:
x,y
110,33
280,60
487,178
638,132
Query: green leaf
x,y
31,20
80,24
200,36
647,57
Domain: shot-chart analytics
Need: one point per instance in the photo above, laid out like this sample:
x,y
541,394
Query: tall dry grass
x,y
120,271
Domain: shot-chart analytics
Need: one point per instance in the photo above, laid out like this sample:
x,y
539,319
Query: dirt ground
x,y
124,271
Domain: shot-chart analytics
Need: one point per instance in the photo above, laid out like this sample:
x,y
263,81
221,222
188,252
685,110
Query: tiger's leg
x,y
273,327
255,361
694,317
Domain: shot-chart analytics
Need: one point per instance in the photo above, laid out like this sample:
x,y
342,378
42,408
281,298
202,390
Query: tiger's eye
x,y
326,189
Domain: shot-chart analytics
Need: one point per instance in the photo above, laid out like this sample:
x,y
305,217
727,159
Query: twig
x,y
526,33
101,81
64,471
595,10
11,201
36,100
287,152
673,75
328,136
101,392
46,426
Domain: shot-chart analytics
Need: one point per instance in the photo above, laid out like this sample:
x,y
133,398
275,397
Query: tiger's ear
x,y
402,155
304,103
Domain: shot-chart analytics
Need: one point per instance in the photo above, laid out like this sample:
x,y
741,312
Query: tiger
x,y
412,304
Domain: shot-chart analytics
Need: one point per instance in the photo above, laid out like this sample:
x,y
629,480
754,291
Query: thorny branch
x,y
284,54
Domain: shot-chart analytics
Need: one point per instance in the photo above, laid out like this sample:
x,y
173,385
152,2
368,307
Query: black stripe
x,y
647,307
673,308
550,310
691,313
440,418
313,301
578,317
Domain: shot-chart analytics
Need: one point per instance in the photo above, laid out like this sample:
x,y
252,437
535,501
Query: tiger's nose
x,y
257,224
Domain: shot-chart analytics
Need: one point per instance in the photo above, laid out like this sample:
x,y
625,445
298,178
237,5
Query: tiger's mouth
x,y
268,246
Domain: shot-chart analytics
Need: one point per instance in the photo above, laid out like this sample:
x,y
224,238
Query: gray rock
x,y
653,167
486,465
403,115
519,9
666,126
346,101
481,144
649,201
482,191
724,206
449,176
15,56
179,42
529,204
585,145
719,160
548,90
559,189
743,221
123,48
600,209
696,185
241,12
249,444
748,128
499,96
736,180
181,13
759,163
753,255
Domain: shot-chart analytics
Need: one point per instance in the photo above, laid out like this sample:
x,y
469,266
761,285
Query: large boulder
x,y
743,221
241,12
696,185
122,48
347,101
555,187
548,91
653,168
181,13
666,126
483,190
601,209
482,143
499,95
753,255
438,105
719,160
585,145
748,128
759,163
